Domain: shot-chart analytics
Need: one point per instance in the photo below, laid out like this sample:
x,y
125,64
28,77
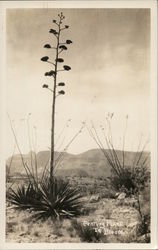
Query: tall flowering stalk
x,y
59,49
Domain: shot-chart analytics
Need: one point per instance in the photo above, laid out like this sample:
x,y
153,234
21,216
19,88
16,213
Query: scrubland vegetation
x,y
83,209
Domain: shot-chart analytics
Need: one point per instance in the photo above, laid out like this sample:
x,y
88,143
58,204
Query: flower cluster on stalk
x,y
59,48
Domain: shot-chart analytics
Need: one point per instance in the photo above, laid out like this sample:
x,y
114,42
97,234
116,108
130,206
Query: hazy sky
x,y
110,59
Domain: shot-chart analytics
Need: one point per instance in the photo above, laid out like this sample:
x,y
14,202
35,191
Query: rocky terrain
x,y
106,216
105,220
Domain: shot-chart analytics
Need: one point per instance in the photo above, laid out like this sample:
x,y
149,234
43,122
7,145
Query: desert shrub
x,y
144,228
88,210
36,234
107,213
144,201
108,193
71,231
57,228
141,176
88,233
145,193
55,199
10,226
123,182
131,180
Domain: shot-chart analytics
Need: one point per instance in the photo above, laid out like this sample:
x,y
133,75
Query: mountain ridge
x,y
90,163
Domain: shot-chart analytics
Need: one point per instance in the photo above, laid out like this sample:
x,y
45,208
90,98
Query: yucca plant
x,y
56,199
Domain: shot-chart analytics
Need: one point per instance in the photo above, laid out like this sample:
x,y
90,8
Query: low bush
x,y
88,210
108,193
143,228
88,233
131,180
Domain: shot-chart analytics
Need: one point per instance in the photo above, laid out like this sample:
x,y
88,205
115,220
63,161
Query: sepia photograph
x,y
79,124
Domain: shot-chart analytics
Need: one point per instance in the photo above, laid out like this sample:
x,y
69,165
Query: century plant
x,y
55,200
60,47
47,196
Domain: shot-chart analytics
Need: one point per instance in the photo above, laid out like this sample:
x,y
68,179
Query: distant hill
x,y
91,163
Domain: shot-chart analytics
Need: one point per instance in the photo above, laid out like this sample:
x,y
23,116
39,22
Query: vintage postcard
x,y
78,125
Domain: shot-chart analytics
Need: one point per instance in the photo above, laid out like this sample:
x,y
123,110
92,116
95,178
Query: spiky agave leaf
x,y
23,197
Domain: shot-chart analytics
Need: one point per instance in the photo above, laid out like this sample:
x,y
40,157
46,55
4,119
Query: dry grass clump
x,y
88,233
